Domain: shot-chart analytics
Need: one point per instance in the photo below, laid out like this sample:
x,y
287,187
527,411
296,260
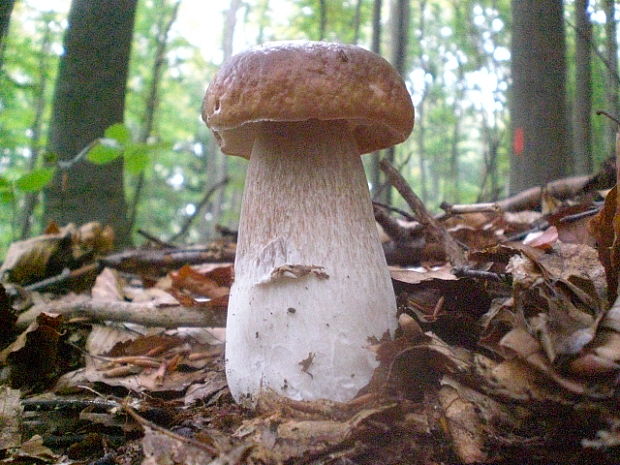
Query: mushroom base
x,y
312,289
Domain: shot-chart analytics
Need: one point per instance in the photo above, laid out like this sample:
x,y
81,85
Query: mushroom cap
x,y
299,81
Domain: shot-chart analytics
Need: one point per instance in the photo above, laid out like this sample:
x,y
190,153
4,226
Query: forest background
x,y
469,65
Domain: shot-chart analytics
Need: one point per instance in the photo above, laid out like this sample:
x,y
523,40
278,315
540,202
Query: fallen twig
x,y
561,189
60,280
149,424
156,240
433,228
481,274
146,314
67,404
160,261
403,213
396,231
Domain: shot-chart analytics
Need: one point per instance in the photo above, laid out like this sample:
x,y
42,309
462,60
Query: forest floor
x,y
511,356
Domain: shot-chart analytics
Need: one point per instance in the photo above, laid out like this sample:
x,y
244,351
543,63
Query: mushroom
x,y
312,290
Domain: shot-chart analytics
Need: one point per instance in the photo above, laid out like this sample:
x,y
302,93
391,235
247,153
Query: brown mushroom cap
x,y
298,81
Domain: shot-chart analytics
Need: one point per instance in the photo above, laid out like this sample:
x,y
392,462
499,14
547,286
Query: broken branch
x,y
434,229
146,314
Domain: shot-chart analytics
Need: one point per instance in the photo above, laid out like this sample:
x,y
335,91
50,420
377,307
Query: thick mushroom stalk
x,y
312,290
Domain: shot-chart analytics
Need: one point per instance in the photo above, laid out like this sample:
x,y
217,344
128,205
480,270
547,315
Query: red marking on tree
x,y
518,141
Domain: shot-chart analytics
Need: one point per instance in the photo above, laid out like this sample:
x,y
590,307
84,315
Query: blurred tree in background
x,y
89,96
455,56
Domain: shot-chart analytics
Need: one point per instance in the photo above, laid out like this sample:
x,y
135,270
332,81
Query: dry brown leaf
x,y
94,238
414,277
605,227
34,451
10,418
160,448
188,279
37,258
108,286
543,240
464,425
34,356
8,317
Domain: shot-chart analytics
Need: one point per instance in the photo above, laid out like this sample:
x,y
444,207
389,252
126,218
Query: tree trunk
x,y
263,20
612,86
420,122
150,108
356,22
6,8
90,96
221,163
420,131
400,30
538,104
582,125
228,34
39,105
375,170
322,18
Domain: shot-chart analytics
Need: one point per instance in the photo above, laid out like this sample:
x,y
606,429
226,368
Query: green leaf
x,y
6,191
137,158
50,158
36,180
105,151
119,132
6,196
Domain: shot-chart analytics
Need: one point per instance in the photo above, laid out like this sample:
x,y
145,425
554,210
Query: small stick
x,y
481,274
450,209
188,222
392,228
149,424
579,216
453,252
147,314
60,279
156,240
608,115
403,213
160,261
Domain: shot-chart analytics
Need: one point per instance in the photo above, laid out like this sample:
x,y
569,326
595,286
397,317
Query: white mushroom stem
x,y
312,289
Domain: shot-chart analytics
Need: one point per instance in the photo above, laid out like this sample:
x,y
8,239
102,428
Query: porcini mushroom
x,y
312,289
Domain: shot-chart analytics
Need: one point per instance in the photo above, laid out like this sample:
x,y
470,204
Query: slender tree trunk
x,y
538,103
6,8
152,100
582,125
611,87
37,126
228,34
420,111
454,156
262,21
400,34
221,162
322,18
89,97
420,131
356,21
375,170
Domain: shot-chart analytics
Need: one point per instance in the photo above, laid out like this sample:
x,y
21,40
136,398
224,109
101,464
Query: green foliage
x,y
119,132
457,71
35,180
105,151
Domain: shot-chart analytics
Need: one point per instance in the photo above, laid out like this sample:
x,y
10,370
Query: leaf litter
x,y
513,357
